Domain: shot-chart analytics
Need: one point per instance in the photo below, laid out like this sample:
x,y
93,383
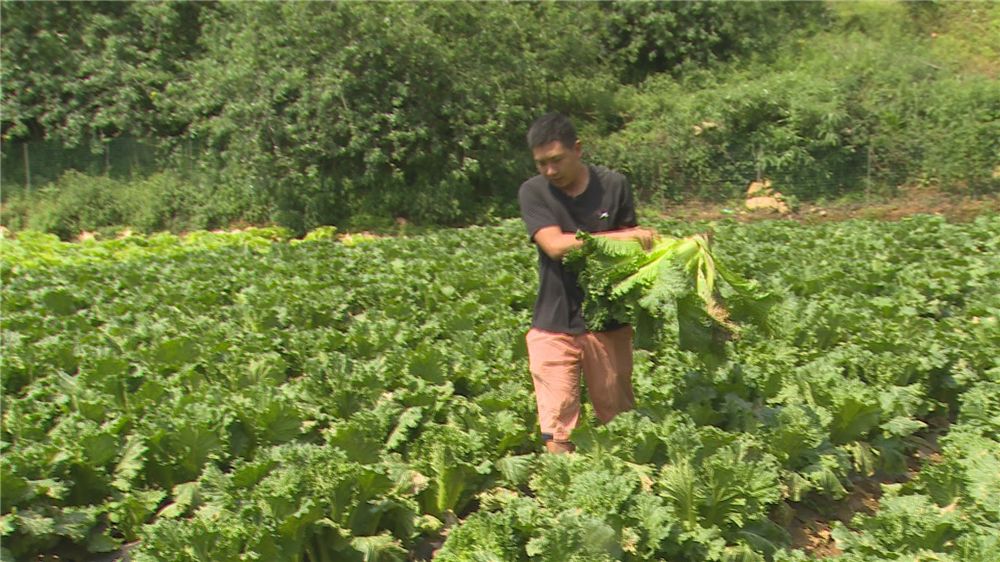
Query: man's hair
x,y
552,127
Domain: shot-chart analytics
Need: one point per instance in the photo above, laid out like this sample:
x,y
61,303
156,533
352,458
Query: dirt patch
x,y
810,522
908,201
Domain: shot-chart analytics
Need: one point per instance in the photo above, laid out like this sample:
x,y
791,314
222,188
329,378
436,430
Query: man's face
x,y
560,165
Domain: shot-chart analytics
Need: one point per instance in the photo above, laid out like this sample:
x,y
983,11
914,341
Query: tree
x,y
334,110
84,72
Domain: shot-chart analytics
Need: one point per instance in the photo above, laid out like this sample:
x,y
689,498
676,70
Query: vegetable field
x,y
248,396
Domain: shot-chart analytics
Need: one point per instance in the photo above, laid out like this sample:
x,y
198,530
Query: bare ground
x,y
908,201
810,523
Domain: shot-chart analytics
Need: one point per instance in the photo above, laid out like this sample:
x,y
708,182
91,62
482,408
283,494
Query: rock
x,y
759,188
762,197
704,126
767,203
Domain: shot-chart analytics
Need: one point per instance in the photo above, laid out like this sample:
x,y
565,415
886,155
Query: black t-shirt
x,y
606,204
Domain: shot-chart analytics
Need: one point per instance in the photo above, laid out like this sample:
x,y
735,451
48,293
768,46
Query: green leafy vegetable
x,y
675,286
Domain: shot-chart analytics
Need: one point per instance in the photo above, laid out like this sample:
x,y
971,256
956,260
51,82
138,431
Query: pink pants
x,y
555,361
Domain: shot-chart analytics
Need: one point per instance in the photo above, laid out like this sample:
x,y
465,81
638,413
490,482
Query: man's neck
x,y
581,183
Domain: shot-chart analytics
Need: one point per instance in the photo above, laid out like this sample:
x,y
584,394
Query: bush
x,y
651,37
169,201
873,103
361,114
76,202
175,202
413,110
960,135
791,127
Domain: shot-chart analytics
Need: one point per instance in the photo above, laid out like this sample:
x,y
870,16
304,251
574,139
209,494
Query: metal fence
x,y
27,166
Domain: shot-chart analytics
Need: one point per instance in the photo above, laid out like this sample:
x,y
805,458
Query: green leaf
x,y
516,469
60,302
674,284
678,483
184,496
902,426
379,548
100,448
175,352
130,462
408,420
101,542
8,524
854,417
35,524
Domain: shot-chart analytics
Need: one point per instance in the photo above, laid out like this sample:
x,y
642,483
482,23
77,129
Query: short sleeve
x,y
626,210
535,212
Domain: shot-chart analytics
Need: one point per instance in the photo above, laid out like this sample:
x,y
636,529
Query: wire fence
x,y
28,166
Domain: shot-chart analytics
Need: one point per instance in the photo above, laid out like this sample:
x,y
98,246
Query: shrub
x,y
650,37
177,202
402,109
77,202
791,127
960,135
873,103
167,200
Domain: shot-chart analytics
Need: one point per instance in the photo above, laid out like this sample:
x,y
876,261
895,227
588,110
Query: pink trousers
x,y
556,361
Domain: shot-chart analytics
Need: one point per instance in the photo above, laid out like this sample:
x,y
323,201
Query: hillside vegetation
x,y
177,116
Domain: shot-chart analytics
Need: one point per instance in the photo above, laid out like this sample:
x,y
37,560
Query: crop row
x,y
281,400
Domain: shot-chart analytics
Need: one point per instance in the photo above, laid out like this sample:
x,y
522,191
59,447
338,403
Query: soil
x,y
955,206
810,522
811,528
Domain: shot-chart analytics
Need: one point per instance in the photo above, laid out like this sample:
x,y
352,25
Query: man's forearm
x,y
556,243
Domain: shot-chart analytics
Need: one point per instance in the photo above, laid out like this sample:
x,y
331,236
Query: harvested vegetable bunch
x,y
671,290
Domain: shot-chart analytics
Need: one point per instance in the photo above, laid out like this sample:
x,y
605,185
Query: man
x,y
567,196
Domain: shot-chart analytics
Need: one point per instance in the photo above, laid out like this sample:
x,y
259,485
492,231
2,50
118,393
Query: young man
x,y
567,196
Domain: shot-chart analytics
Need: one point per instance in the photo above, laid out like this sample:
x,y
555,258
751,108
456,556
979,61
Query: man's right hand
x,y
645,236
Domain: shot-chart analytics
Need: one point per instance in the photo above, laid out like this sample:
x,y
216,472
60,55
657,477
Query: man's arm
x,y
556,243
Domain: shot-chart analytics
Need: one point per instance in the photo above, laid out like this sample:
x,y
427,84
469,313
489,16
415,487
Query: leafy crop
x,y
241,396
672,287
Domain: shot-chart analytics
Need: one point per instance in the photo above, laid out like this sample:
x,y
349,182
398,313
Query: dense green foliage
x,y
405,109
860,105
164,201
86,72
675,293
229,396
356,113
